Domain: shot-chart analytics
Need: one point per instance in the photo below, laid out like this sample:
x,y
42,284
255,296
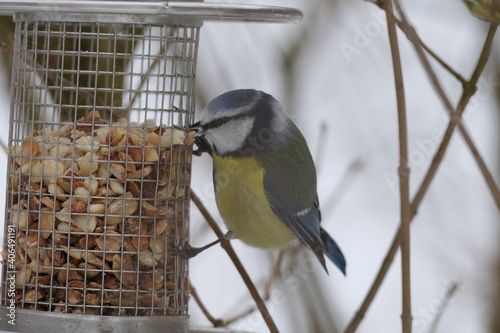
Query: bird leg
x,y
190,252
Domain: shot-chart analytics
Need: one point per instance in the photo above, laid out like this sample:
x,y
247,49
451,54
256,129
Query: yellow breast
x,y
242,203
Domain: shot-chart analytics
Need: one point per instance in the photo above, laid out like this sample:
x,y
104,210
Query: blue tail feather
x,y
332,251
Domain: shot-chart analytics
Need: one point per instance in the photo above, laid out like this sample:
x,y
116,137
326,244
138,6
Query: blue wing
x,y
332,251
303,220
290,185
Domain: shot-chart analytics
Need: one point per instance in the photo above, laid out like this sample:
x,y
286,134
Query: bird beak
x,y
198,128
199,139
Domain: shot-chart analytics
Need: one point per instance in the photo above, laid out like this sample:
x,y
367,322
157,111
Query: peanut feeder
x,y
99,161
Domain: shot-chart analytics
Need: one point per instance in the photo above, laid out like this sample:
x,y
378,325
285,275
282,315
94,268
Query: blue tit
x,y
264,175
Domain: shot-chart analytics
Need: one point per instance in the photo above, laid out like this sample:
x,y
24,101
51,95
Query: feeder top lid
x,y
125,11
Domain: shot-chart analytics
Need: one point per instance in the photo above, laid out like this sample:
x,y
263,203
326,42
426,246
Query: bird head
x,y
240,121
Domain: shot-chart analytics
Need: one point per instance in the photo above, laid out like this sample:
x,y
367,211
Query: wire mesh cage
x,y
99,167
99,159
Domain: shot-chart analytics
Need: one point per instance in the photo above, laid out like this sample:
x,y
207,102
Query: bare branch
x,y
3,145
275,273
404,170
456,116
450,293
146,76
433,54
203,308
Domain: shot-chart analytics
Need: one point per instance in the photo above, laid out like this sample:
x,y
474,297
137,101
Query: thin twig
x,y
203,308
386,264
447,67
243,314
226,245
450,293
455,114
219,322
370,296
3,145
275,273
404,170
433,54
146,76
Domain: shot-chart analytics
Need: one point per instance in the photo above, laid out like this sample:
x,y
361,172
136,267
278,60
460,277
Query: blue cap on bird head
x,y
234,102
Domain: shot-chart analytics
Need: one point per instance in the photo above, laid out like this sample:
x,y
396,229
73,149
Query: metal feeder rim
x,y
200,329
178,10
49,322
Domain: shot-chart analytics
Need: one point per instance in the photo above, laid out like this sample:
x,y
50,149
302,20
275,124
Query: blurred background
x,y
333,72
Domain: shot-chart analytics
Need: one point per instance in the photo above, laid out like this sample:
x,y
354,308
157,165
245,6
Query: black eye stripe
x,y
222,121
216,123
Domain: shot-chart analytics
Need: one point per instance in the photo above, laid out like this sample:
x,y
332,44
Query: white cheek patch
x,y
231,136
